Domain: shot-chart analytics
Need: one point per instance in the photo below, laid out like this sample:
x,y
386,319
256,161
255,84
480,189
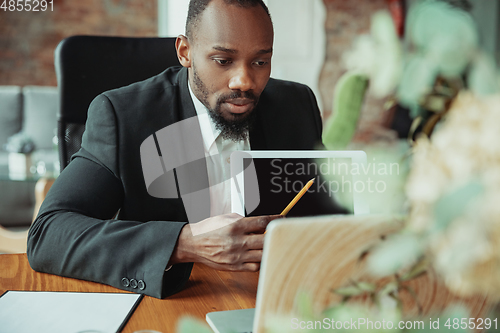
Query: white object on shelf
x,y
19,165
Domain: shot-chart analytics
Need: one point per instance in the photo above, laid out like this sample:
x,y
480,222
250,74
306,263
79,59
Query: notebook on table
x,y
50,311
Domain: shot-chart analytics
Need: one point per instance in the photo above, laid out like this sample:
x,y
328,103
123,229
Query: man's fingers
x,y
250,266
256,224
254,242
249,260
245,256
243,267
235,247
252,256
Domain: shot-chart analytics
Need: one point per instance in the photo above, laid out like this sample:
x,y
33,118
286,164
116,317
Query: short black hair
x,y
196,7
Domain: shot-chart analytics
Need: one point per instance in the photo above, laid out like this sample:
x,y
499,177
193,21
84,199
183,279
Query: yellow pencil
x,y
297,197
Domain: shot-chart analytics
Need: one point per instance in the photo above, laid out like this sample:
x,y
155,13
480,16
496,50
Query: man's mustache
x,y
238,94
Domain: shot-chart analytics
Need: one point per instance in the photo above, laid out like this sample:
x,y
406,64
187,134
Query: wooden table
x,y
207,290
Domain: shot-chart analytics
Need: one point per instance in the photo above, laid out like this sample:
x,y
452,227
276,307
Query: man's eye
x,y
223,61
261,63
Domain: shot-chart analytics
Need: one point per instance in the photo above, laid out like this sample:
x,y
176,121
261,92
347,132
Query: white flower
x,y
428,176
463,153
460,247
377,55
446,35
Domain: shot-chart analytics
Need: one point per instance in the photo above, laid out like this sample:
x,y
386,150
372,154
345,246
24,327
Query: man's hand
x,y
226,242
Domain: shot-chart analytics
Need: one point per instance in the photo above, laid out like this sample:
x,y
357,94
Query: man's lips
x,y
239,105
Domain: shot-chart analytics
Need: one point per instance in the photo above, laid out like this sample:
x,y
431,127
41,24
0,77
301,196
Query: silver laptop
x,y
309,254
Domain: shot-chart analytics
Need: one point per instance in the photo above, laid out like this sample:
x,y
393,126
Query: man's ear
x,y
183,51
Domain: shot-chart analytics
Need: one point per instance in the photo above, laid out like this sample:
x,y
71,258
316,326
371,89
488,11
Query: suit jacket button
x,y
141,285
133,283
125,282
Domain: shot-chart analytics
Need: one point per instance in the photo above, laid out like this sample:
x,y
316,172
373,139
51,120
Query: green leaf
x,y
382,28
387,70
455,311
418,269
348,291
445,35
348,100
417,111
389,288
454,204
482,78
305,307
417,80
395,253
399,304
192,325
365,286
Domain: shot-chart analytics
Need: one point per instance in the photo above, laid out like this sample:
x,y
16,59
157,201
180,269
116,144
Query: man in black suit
x,y
149,247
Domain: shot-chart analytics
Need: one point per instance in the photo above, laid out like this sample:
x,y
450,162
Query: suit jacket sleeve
x,y
76,236
317,117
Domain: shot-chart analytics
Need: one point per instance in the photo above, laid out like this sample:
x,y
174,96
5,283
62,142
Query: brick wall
x,y
345,21
28,39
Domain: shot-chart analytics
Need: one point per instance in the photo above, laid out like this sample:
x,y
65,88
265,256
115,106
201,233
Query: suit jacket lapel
x,y
257,132
193,177
186,107
260,135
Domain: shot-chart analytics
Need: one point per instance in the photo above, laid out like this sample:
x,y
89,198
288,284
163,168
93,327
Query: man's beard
x,y
236,129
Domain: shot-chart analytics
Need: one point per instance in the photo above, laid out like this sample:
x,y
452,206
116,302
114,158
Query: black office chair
x,y
89,65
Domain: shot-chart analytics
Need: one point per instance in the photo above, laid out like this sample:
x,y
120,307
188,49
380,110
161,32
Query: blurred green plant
x,y
451,183
439,57
452,188
192,325
386,311
347,102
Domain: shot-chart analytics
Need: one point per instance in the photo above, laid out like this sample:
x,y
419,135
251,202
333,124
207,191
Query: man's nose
x,y
242,79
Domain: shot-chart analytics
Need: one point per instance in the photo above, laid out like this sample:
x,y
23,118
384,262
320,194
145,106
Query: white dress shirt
x,y
217,153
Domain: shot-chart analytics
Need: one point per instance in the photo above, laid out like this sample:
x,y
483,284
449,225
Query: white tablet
x,y
264,182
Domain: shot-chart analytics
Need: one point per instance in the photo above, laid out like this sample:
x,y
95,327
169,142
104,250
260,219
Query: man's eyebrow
x,y
265,51
233,51
224,49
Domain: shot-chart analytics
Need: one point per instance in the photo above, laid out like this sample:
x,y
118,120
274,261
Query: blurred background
x,y
450,198
310,38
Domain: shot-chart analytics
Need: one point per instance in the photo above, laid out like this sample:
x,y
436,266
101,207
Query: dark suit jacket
x,y
75,234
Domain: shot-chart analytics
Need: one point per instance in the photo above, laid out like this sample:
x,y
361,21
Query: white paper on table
x,y
65,312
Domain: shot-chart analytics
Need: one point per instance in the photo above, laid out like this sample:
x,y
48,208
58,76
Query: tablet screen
x,y
280,179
